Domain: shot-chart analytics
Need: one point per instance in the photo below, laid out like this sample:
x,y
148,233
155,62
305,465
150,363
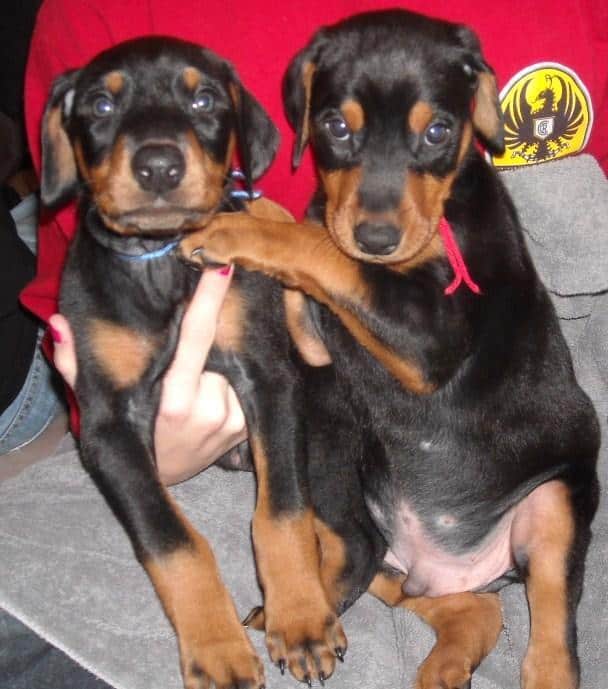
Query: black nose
x,y
377,239
158,167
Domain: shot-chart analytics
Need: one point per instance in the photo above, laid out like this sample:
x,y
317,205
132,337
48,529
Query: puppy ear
x,y
59,171
297,90
258,138
488,118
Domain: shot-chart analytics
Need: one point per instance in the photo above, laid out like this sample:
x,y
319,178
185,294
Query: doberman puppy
x,y
451,405
146,133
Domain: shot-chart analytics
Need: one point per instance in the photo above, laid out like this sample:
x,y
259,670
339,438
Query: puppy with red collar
x,y
451,449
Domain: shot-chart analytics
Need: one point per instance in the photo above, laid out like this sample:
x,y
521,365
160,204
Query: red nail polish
x,y
226,270
55,334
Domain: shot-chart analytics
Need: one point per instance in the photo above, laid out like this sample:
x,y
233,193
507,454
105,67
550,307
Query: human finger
x,y
185,445
197,333
64,354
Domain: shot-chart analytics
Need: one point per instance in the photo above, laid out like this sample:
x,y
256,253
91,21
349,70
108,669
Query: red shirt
x,y
261,37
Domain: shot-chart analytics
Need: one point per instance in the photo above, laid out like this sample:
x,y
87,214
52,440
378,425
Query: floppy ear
x,y
488,118
59,172
297,89
257,136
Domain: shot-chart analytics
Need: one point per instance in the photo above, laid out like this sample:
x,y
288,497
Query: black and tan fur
x,y
463,407
145,134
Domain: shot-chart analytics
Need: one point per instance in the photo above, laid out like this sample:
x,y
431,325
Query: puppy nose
x,y
378,239
158,167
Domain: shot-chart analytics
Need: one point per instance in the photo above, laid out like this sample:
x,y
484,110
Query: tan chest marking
x,y
122,353
229,333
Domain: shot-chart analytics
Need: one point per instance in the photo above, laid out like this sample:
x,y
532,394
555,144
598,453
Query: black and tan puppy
x,y
451,400
145,134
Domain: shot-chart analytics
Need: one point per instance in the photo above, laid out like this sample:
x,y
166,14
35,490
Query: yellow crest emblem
x,y
548,115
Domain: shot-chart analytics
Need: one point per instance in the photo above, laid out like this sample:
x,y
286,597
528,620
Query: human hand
x,y
199,417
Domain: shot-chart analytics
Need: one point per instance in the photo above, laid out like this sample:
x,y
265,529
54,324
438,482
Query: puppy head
x,y
391,102
149,129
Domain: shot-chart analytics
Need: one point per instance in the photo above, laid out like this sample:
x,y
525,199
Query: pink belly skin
x,y
433,572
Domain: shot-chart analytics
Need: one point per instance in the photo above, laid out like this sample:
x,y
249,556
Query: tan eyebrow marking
x,y
353,114
420,116
114,82
192,77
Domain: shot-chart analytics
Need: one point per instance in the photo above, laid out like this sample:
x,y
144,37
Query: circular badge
x,y
548,115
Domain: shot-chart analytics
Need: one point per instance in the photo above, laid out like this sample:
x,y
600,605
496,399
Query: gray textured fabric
x,y
66,568
67,571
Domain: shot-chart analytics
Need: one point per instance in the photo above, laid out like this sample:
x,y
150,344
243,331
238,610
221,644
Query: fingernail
x,y
226,270
55,334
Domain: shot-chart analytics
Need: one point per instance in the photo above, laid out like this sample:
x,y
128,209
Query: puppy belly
x,y
433,571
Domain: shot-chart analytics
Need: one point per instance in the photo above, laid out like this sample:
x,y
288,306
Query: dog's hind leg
x,y
467,626
550,540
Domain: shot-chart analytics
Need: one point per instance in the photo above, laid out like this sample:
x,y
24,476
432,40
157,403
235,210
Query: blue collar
x,y
102,237
150,255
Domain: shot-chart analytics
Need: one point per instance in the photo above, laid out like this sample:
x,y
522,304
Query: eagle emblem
x,y
548,115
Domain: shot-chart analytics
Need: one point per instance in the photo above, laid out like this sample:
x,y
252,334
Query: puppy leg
x,y
467,626
337,500
214,648
303,632
550,547
303,256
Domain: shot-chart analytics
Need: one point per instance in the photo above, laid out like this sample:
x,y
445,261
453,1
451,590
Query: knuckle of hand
x,y
235,420
214,420
174,410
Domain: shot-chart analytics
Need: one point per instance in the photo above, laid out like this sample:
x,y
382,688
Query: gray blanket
x,y
66,568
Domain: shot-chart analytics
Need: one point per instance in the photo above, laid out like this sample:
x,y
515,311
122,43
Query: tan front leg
x,y
302,631
302,256
214,647
543,537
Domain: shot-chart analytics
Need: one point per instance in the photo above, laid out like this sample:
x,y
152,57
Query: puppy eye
x,y
468,70
437,133
203,101
338,128
103,106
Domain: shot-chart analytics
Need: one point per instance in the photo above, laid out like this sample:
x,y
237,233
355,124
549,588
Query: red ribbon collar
x,y
456,260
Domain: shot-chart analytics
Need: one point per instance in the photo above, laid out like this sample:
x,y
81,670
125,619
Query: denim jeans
x,y
40,398
37,404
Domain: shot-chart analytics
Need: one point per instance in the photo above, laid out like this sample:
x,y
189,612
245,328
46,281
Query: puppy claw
x,y
255,618
339,654
282,665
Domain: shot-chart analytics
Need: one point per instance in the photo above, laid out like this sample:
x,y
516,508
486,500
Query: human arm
x,y
199,417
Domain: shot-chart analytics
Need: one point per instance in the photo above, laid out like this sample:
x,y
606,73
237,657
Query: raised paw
x,y
189,248
223,665
306,645
218,242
